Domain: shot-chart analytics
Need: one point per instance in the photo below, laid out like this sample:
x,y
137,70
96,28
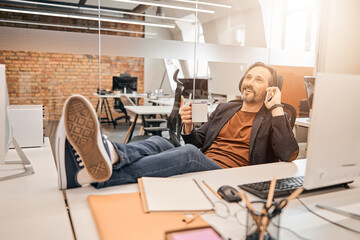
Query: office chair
x,y
290,110
173,125
119,108
126,101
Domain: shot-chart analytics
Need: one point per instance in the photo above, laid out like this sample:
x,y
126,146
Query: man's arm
x,y
283,140
189,133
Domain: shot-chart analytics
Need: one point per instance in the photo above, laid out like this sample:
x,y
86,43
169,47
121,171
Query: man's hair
x,y
272,81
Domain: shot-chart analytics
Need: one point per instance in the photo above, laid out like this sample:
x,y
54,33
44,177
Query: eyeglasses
x,y
222,210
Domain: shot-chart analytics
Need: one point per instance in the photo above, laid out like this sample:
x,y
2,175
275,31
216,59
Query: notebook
x,y
121,216
172,194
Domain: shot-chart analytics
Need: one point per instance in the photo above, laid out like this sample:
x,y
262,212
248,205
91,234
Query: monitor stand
x,y
24,161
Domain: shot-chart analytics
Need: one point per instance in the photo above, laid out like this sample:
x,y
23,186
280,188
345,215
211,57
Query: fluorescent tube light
x,y
76,27
105,19
204,3
166,6
102,10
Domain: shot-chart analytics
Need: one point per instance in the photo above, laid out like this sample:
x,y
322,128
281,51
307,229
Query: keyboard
x,y
284,187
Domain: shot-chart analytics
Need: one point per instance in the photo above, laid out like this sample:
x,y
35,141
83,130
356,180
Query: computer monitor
x,y
125,81
334,133
309,82
6,136
201,88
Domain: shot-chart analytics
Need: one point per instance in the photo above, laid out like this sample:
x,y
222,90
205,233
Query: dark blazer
x,y
271,137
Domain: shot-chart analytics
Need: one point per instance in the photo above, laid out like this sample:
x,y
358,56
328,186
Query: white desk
x,y
301,129
152,110
32,207
117,95
162,101
106,106
303,122
294,215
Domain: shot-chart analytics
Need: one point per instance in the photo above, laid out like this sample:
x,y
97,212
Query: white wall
x,y
339,45
154,67
226,76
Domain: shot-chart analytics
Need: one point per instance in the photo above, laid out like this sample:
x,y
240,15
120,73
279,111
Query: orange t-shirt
x,y
231,147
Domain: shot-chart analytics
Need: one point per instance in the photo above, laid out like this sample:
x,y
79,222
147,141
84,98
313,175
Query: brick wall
x,y
49,78
71,22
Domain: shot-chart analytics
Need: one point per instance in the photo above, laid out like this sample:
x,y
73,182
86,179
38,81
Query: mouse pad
x,y
121,216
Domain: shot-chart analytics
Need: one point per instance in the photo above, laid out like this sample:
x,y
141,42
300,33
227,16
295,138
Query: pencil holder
x,y
262,221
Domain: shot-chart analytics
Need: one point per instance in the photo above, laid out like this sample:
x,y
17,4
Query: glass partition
x,y
54,49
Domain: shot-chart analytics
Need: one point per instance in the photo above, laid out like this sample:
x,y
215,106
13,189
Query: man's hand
x,y
186,118
275,98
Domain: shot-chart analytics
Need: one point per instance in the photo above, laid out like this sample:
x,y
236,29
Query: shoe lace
x,y
77,158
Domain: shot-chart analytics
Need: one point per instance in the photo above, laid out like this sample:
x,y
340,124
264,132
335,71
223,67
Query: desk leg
x,y
143,124
111,117
132,127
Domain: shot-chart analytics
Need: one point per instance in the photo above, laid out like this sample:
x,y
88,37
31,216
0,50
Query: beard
x,y
250,95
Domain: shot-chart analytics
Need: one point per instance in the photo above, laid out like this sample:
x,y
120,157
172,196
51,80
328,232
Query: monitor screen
x,y
309,86
334,133
201,87
122,82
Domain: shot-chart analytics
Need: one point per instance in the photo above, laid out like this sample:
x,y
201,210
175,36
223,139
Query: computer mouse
x,y
229,194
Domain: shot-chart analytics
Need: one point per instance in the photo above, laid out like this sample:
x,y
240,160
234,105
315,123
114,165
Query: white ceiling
x,y
237,6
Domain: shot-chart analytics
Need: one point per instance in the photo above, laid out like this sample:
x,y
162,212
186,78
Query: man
x,y
237,134
250,132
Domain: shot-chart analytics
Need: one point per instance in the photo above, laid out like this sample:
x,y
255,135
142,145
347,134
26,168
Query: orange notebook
x,y
121,216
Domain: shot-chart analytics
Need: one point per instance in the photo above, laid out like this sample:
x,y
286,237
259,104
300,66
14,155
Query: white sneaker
x,y
79,144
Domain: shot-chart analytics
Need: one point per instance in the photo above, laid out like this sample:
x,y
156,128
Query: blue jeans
x,y
155,157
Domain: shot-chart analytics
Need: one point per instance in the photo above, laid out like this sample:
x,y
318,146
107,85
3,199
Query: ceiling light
x,y
204,3
105,19
101,9
76,27
166,6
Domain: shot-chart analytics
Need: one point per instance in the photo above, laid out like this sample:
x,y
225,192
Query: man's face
x,y
254,86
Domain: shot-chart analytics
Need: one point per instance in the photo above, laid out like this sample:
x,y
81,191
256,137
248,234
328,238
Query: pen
x,y
271,193
212,190
248,204
250,207
202,190
265,218
293,195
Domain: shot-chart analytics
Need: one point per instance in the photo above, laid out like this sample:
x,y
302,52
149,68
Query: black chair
x,y
119,107
173,125
126,101
291,112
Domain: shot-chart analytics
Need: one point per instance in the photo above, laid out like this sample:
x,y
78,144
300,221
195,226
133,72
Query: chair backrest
x,y
280,81
291,112
174,121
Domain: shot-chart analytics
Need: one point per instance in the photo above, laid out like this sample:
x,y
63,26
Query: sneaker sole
x,y
82,132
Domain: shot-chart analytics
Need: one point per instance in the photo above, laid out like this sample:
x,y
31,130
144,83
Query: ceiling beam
x,y
140,8
82,2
